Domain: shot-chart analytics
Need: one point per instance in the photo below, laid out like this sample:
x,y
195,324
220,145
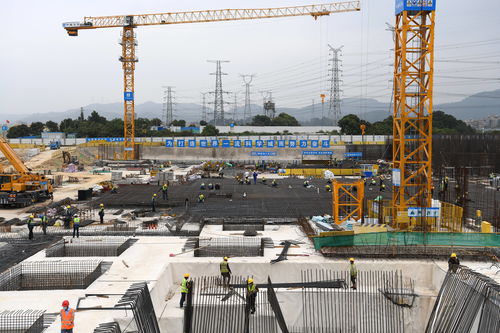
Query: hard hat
x,y
186,275
453,255
225,258
154,195
102,205
76,215
351,259
32,216
250,280
65,303
68,206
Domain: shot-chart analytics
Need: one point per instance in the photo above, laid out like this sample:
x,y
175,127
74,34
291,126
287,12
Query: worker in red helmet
x,y
67,318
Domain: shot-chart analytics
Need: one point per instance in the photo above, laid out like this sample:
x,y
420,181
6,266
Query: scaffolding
x,y
21,321
347,200
49,275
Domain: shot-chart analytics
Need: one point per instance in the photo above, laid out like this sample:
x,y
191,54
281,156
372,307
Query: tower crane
x,y
128,41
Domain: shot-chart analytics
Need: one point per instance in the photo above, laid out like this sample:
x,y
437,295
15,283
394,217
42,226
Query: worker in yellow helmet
x,y
185,287
252,291
225,271
453,263
353,271
101,213
153,202
31,225
328,188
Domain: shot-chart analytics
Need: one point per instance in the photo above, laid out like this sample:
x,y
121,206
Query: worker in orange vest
x,y
67,318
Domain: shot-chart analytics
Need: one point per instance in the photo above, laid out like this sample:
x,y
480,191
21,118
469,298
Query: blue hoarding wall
x,y
415,5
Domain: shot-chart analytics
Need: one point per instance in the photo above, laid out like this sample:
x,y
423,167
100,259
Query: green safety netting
x,y
410,238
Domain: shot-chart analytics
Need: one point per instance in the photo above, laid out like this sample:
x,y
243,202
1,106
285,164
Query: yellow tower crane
x,y
412,129
128,40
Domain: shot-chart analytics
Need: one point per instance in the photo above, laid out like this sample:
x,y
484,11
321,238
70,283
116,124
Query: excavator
x,y
21,188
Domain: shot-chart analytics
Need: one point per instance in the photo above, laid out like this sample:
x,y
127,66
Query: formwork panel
x,y
49,275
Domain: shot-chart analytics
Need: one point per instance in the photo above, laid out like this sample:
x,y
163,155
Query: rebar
x,y
105,247
466,299
21,321
364,309
138,299
218,309
48,275
111,327
230,247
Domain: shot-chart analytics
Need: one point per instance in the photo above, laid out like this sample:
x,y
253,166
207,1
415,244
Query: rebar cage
x,y
49,275
230,247
105,247
21,321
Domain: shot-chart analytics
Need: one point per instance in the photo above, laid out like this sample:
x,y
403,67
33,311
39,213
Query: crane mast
x,y
129,42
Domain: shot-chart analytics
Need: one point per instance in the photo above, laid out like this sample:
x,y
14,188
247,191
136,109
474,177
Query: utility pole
x,y
203,108
247,79
168,107
218,93
312,108
334,106
235,109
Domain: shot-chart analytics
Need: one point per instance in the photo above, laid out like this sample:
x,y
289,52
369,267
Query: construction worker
x,y
274,183
202,186
328,188
31,225
67,216
306,183
225,271
67,318
164,191
43,219
453,263
210,186
382,187
255,174
184,289
153,202
264,180
446,181
76,226
247,180
201,198
101,212
353,272
252,291
373,182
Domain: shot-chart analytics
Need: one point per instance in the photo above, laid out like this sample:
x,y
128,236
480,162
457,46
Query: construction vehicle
x,y
54,145
23,187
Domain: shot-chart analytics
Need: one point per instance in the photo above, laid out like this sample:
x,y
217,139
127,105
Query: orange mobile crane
x,y
22,188
129,42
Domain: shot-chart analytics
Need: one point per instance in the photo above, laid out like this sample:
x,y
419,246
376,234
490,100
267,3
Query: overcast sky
x,y
43,70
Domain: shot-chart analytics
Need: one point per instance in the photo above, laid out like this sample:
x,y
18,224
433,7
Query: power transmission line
x,y
168,105
334,103
247,80
218,93
203,107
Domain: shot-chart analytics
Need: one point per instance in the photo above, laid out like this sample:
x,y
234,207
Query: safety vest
x,y
202,197
224,267
251,288
30,221
67,319
164,187
353,270
44,219
101,210
76,221
184,287
153,198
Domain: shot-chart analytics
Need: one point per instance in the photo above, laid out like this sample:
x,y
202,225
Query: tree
x,y
96,118
52,126
284,119
36,128
261,120
210,130
443,123
350,124
156,122
203,123
18,131
383,127
179,123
